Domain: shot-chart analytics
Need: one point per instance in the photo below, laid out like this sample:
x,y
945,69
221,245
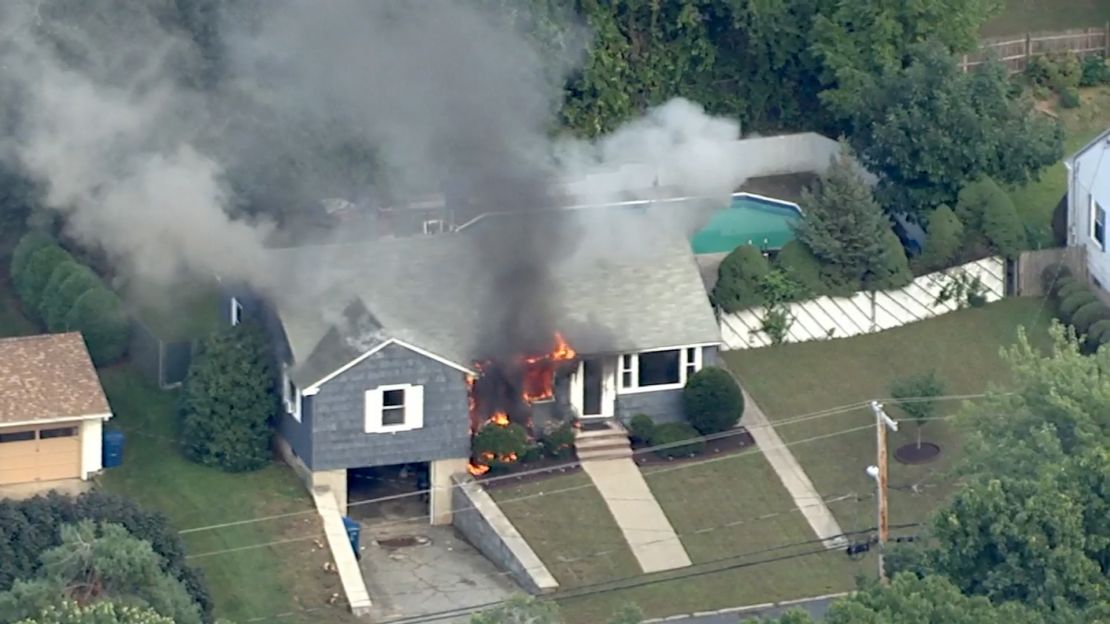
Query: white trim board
x,y
61,419
315,387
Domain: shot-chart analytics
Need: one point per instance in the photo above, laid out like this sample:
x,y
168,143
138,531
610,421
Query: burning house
x,y
395,351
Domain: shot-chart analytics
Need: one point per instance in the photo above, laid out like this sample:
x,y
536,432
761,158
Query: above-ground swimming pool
x,y
748,220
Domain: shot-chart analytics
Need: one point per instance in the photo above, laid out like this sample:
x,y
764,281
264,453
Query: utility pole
x,y
878,472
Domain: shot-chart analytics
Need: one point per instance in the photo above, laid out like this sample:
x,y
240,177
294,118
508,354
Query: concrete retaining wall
x,y
482,523
350,575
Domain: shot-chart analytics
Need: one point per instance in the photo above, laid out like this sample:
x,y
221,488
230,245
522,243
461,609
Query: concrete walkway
x,y
801,489
645,527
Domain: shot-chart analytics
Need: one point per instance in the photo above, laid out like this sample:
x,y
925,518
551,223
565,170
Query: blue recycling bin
x,y
112,449
353,530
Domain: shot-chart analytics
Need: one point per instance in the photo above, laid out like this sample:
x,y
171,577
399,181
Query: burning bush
x,y
497,446
712,400
670,436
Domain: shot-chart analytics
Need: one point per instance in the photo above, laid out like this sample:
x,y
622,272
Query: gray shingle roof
x,y
430,292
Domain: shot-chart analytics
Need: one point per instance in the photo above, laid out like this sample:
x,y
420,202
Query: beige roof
x,y
46,377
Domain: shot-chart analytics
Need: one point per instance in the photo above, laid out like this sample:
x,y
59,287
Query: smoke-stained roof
x,y
634,294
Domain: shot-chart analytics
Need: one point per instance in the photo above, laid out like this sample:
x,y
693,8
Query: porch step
x,y
608,443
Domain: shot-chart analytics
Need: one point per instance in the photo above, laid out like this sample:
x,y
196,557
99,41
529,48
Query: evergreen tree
x,y
847,231
945,236
97,613
229,403
98,314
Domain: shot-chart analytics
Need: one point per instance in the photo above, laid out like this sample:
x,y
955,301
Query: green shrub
x,y
945,237
1094,72
558,443
497,446
1070,288
1098,334
1069,98
53,284
1003,227
1087,315
670,435
229,402
534,452
99,316
1055,71
738,279
893,270
1070,304
28,244
30,282
973,202
802,266
56,303
1052,275
641,428
712,401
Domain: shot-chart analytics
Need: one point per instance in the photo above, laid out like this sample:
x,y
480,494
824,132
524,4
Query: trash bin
x,y
353,529
112,449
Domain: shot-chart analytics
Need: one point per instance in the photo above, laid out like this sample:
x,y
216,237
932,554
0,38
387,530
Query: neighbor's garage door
x,y
39,454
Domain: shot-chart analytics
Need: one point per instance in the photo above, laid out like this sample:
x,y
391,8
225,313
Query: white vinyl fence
x,y
863,313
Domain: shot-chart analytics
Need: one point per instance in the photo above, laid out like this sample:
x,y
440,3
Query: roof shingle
x,y
46,377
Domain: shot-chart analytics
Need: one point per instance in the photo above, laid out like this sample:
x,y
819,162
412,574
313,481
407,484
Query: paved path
x,y
801,489
645,527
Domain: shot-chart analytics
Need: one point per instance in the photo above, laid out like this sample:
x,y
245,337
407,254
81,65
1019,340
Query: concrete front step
x,y
611,430
613,452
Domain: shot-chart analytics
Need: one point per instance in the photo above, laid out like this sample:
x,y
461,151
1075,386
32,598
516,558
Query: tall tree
x,y
847,231
229,403
100,562
97,613
928,129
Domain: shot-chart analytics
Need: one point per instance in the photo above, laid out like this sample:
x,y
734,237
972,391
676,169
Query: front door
x,y
592,388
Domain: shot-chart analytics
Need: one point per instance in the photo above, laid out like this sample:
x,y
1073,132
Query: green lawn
x,y
1021,16
796,379
246,584
1036,201
576,537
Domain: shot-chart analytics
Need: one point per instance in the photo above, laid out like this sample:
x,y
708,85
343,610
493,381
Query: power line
x,y
573,464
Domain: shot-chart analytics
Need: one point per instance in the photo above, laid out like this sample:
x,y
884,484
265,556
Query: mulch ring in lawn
x,y
912,454
736,441
528,472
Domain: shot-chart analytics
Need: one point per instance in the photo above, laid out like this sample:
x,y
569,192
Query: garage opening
x,y
45,453
397,492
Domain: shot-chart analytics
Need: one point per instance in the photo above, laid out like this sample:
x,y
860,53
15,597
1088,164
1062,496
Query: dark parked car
x,y
910,233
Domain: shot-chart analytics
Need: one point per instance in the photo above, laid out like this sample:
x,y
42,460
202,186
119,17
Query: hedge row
x,y
65,295
1077,305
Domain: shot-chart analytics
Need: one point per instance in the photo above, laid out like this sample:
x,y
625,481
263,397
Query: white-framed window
x,y
394,408
290,394
236,312
433,226
663,369
1098,224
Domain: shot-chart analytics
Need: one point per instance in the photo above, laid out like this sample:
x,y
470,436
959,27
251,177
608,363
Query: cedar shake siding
x,y
338,418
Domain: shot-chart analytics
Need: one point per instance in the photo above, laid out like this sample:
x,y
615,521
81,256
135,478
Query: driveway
x,y
414,569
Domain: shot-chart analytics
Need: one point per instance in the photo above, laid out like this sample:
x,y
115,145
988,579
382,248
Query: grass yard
x,y
1021,16
797,379
574,534
1036,201
252,583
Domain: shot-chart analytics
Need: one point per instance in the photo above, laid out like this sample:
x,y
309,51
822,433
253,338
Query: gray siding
x,y
298,434
339,439
662,405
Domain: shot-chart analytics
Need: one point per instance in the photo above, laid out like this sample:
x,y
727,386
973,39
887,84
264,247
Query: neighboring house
x,y
1088,201
378,339
52,409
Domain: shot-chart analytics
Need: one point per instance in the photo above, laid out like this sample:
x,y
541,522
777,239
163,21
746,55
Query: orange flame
x,y
539,378
477,469
501,419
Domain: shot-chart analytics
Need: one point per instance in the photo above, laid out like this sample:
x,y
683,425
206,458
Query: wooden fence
x,y
1015,51
1031,264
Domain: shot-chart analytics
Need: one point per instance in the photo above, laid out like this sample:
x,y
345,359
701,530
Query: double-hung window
x,y
1098,224
394,408
290,394
658,370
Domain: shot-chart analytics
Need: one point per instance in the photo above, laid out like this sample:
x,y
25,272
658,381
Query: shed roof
x,y
46,377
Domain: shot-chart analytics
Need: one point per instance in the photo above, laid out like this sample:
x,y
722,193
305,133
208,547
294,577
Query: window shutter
x,y
414,407
373,410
